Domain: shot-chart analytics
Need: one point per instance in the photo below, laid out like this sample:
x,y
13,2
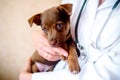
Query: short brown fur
x,y
55,22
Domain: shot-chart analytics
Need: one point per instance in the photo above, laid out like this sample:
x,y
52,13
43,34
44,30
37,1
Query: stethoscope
x,y
95,45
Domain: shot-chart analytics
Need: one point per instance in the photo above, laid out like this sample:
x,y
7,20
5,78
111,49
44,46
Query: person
x,y
98,34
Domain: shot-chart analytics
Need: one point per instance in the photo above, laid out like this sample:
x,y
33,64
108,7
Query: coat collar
x,y
107,4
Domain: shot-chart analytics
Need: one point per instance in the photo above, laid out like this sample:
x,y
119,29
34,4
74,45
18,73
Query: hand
x,y
26,74
44,49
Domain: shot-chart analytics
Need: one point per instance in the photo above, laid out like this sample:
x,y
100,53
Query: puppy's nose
x,y
53,42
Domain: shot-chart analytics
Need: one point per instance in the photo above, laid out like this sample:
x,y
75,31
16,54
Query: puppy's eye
x,y
59,27
45,30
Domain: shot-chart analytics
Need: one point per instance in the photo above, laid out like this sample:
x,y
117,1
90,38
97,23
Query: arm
x,y
107,67
43,48
57,75
26,74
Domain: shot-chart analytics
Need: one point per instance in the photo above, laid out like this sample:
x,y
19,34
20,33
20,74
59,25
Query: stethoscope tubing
x,y
109,47
97,44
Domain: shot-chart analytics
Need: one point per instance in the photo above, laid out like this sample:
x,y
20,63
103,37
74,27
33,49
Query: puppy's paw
x,y
74,67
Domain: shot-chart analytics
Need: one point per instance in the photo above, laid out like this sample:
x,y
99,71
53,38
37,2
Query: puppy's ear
x,y
67,8
35,19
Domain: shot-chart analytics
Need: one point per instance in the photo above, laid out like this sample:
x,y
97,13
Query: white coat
x,y
101,55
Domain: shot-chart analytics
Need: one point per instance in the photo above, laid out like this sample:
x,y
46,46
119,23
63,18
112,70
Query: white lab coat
x,y
98,63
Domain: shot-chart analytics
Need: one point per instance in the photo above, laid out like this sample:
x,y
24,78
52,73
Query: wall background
x,y
15,34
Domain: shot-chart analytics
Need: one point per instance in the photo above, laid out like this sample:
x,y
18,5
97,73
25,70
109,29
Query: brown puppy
x,y
55,22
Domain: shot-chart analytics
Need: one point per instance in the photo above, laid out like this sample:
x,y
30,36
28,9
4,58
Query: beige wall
x,y
15,34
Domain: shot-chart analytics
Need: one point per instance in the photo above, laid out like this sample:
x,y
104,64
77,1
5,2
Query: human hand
x,y
44,48
26,74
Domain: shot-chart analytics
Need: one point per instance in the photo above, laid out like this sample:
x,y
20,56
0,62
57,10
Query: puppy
x,y
55,23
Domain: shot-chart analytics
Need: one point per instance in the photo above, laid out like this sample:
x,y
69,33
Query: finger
x,y
27,66
42,53
49,56
61,51
45,49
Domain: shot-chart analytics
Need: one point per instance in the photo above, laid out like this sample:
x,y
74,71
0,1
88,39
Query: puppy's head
x,y
55,22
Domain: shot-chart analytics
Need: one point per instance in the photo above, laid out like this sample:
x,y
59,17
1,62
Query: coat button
x,y
82,52
112,54
83,55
